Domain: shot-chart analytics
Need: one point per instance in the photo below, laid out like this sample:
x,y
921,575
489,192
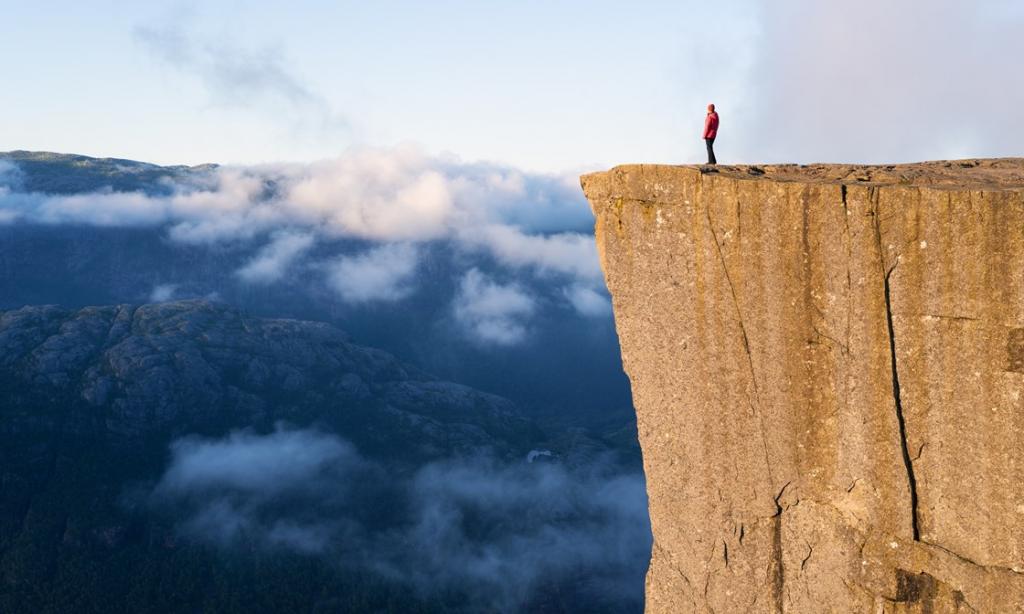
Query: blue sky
x,y
550,86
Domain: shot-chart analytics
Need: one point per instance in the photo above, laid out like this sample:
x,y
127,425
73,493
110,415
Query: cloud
x,y
11,177
162,293
384,273
506,529
587,301
533,202
238,77
274,260
492,313
253,487
494,532
531,224
101,209
879,81
227,204
12,200
570,254
251,463
384,195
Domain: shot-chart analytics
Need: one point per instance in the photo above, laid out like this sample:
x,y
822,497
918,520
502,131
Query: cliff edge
x,y
827,365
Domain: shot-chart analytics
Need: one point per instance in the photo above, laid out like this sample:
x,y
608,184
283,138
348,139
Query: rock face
x,y
827,366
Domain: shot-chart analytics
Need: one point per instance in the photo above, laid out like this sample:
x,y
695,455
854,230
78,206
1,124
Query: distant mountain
x,y
126,372
56,173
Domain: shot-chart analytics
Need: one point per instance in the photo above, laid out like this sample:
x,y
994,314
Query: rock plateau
x,y
827,366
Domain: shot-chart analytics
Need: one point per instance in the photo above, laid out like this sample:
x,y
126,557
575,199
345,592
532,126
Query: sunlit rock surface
x,y
827,366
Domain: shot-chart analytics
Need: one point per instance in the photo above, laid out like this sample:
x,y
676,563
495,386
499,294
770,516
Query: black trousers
x,y
711,151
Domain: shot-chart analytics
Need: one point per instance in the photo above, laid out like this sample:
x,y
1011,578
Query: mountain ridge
x,y
62,174
117,358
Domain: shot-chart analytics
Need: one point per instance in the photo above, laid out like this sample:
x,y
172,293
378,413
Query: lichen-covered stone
x,y
827,366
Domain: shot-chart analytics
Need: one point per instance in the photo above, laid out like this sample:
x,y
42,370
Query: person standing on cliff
x,y
710,132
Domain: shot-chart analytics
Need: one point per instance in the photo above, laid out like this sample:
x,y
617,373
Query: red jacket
x,y
711,125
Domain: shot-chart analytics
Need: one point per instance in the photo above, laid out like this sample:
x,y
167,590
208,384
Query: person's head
x,y
711,108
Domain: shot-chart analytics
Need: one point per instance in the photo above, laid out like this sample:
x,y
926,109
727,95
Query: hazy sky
x,y
543,85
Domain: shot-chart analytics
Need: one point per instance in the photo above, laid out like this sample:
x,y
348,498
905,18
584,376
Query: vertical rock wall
x,y
828,366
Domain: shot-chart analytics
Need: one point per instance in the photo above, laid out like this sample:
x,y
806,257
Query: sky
x,y
542,86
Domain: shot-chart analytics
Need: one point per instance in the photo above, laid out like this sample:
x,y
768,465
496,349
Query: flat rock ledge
x,y
827,365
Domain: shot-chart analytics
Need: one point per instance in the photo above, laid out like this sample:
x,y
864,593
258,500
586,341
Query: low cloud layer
x,y
163,292
568,253
274,259
379,195
490,312
534,227
384,273
253,487
493,531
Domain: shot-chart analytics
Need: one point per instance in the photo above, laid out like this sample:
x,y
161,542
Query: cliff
x,y
827,366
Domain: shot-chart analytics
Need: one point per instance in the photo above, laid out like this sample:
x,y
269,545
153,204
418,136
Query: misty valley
x,y
387,382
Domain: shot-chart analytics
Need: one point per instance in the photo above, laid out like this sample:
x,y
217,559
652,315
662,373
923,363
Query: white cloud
x,y
398,194
225,205
266,465
102,209
533,202
535,224
587,301
568,253
391,195
384,273
491,312
274,260
231,485
163,293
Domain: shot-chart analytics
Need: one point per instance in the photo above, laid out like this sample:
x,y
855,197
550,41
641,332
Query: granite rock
x,y
827,365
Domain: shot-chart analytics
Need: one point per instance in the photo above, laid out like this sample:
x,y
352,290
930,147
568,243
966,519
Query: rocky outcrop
x,y
124,372
827,366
